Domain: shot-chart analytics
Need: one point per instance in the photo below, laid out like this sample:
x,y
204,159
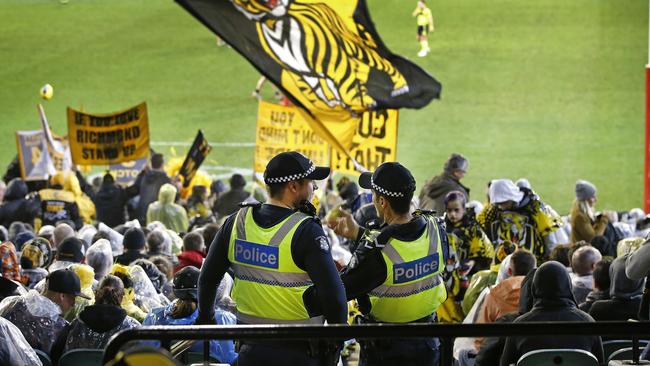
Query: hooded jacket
x,y
16,207
625,295
171,215
148,184
96,324
432,196
553,301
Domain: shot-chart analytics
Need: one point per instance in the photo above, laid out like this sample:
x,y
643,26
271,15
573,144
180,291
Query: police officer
x,y
276,251
395,269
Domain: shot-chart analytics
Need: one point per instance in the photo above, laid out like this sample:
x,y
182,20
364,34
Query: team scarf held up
x,y
325,56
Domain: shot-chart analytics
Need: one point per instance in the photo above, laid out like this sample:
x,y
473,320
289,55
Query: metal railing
x,y
446,332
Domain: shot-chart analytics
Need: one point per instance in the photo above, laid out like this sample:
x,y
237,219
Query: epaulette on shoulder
x,y
250,204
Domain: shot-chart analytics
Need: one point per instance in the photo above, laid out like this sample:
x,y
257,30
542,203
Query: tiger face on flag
x,y
326,56
329,62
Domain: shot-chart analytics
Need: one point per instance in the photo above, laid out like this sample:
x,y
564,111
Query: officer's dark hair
x,y
401,205
522,262
157,161
193,241
601,275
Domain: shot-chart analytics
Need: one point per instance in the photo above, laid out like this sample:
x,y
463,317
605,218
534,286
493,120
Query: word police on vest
x,y
410,271
256,254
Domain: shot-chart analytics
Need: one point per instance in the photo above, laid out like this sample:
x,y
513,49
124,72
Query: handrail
x,y
623,330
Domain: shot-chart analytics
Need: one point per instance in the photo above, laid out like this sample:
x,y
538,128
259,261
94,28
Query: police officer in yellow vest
x,y
276,251
395,272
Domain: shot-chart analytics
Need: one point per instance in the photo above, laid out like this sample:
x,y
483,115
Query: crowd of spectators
x,y
80,262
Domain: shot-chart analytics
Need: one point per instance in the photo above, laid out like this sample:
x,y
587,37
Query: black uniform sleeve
x,y
215,265
83,184
311,252
367,270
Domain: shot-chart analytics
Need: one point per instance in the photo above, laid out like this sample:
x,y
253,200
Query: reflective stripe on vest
x,y
268,284
413,287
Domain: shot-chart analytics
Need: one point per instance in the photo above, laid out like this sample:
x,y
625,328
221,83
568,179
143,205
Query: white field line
x,y
213,144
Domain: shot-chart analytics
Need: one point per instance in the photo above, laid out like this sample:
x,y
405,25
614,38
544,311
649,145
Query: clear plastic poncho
x,y
100,257
146,296
37,317
115,239
86,234
14,348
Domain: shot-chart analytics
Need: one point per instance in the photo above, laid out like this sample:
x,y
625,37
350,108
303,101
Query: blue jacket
x,y
222,350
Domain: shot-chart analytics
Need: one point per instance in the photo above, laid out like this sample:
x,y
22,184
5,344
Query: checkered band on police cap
x,y
390,179
292,166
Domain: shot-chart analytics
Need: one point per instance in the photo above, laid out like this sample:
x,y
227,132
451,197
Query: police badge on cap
x,y
291,166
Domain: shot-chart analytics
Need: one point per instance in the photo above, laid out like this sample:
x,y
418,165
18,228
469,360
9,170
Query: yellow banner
x,y
374,142
280,129
104,139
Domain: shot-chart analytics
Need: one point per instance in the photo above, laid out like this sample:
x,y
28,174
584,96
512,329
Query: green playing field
x,y
550,90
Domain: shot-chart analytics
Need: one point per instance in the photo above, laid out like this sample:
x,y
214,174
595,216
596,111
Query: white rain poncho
x,y
14,348
100,257
146,296
115,239
37,317
86,234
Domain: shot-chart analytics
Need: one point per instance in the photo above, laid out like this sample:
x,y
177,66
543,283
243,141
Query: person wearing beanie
x,y
184,311
23,238
518,216
585,225
432,195
133,242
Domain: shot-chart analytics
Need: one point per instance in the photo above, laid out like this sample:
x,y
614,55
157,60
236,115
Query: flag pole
x,y
646,168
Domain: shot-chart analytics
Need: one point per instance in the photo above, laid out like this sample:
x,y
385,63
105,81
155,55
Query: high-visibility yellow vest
x,y
413,288
268,284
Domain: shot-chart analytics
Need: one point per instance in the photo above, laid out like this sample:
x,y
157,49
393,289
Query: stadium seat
x,y
554,357
624,354
45,359
611,346
82,357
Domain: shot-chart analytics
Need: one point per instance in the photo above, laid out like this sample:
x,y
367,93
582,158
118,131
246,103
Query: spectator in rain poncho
x,y
128,299
100,257
97,323
86,234
146,296
85,204
35,257
184,310
14,348
47,232
113,237
61,232
86,276
172,240
170,214
39,316
157,278
9,263
159,243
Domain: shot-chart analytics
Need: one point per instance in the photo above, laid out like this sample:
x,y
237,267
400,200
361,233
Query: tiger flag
x,y
326,56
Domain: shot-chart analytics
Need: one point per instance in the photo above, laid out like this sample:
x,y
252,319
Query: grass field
x,y
550,90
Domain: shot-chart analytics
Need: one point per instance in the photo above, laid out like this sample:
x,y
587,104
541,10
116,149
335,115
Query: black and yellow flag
x,y
325,55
